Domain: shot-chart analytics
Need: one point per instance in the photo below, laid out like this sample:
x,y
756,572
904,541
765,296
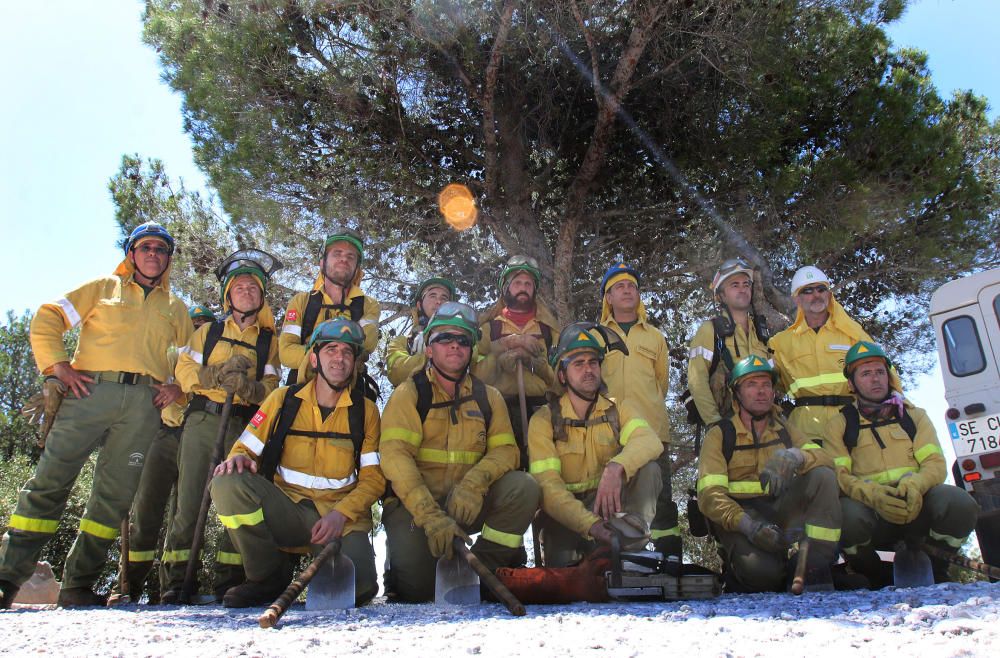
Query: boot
x,y
9,592
80,597
258,593
171,596
845,579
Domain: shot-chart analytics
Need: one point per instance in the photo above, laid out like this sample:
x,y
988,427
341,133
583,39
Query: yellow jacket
x,y
436,455
536,382
643,377
870,462
566,470
121,327
710,391
812,363
190,361
321,469
291,342
720,484
400,362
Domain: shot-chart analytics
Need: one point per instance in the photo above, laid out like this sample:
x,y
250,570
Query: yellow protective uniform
x,y
437,454
811,363
643,377
721,484
869,462
400,362
710,390
190,361
123,329
536,381
320,469
571,468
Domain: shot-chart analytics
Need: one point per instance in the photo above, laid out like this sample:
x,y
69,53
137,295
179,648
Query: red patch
x,y
257,419
292,315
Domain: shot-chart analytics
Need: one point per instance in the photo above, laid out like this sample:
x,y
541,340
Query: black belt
x,y
118,377
823,401
202,403
530,400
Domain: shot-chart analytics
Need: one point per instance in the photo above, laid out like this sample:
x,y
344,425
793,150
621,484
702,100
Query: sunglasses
x,y
808,290
447,339
150,249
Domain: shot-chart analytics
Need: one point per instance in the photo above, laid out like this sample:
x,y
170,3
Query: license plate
x,y
971,437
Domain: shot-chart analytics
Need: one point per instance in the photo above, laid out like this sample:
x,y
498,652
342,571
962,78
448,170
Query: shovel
x,y
320,596
911,567
332,588
455,582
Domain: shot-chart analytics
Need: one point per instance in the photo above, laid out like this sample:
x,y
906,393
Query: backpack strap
x,y
719,327
481,398
496,327
310,316
357,308
559,424
270,456
854,426
214,334
496,332
546,336
425,396
728,438
261,348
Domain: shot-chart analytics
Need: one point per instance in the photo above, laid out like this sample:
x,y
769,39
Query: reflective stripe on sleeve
x,y
580,487
508,539
315,481
630,427
370,459
448,456
497,440
292,329
703,352
252,443
818,380
365,323
401,434
810,446
890,476
713,480
71,313
746,487
923,453
542,465
98,529
270,370
234,521
846,462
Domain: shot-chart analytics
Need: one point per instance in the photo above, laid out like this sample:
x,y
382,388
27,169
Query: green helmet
x,y
519,263
577,336
749,366
258,264
344,234
862,350
454,314
433,281
338,330
200,311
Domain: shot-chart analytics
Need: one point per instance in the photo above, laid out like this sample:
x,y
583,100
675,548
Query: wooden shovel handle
x,y
515,607
271,616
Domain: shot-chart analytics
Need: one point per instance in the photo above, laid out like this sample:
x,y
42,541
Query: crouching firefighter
x,y
235,355
304,472
762,486
450,456
891,472
594,457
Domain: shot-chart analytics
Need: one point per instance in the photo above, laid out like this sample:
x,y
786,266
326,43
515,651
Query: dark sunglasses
x,y
150,249
448,339
811,289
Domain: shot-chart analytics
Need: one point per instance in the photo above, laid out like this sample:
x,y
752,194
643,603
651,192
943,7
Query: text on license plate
x,y
975,435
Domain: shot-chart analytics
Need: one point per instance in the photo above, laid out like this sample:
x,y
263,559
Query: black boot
x,y
261,592
9,593
80,597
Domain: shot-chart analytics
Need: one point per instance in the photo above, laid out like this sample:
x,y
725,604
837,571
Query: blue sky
x,y
80,90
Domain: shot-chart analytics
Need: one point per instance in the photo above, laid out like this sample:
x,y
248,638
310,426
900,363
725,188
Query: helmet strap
x,y
154,280
243,315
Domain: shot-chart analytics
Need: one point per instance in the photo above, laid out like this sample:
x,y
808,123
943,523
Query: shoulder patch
x,y
257,419
292,315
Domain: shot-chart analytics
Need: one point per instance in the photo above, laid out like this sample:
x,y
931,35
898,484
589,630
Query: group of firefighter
x,y
499,422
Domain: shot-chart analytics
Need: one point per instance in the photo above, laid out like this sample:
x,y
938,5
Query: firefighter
x,y
736,333
236,355
450,457
114,392
304,472
809,355
763,485
405,354
891,471
516,337
641,378
336,294
594,458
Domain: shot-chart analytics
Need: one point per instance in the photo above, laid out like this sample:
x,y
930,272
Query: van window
x,y
996,308
962,346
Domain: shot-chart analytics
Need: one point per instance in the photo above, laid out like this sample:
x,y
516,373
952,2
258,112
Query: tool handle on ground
x,y
271,616
489,579
123,584
206,501
799,581
522,399
964,562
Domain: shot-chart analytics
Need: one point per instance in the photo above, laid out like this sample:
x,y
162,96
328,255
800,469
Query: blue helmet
x,y
148,230
616,269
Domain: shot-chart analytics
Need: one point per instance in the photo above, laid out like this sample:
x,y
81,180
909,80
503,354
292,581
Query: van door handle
x,y
975,408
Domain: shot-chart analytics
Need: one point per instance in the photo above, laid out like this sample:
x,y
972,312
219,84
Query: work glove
x,y
780,469
508,360
243,387
464,503
600,532
41,407
888,504
910,491
632,530
210,376
763,535
237,363
441,531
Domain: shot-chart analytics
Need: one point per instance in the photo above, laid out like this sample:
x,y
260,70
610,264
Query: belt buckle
x,y
213,407
128,378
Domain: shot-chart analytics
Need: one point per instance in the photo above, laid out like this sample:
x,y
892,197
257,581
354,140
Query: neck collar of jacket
x,y
460,391
839,320
607,316
126,270
772,422
600,405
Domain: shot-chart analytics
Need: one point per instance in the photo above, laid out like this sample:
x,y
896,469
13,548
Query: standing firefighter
x,y
721,342
236,355
304,472
334,295
809,355
516,341
129,322
891,471
762,485
450,456
406,353
641,378
594,458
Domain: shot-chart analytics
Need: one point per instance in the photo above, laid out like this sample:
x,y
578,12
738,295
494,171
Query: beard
x,y
519,302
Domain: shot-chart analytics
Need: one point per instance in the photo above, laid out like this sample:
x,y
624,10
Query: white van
x,y
966,318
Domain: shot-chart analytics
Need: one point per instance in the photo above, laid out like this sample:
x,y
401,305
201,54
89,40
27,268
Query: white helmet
x,y
730,268
808,275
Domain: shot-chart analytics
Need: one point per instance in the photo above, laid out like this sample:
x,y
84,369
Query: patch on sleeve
x,y
257,419
292,315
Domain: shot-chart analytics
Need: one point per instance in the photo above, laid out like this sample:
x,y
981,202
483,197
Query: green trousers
x,y
261,520
562,547
810,509
121,420
664,530
508,508
193,459
947,517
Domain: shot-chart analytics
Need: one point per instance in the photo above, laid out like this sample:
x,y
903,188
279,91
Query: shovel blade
x,y
332,588
455,583
911,567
